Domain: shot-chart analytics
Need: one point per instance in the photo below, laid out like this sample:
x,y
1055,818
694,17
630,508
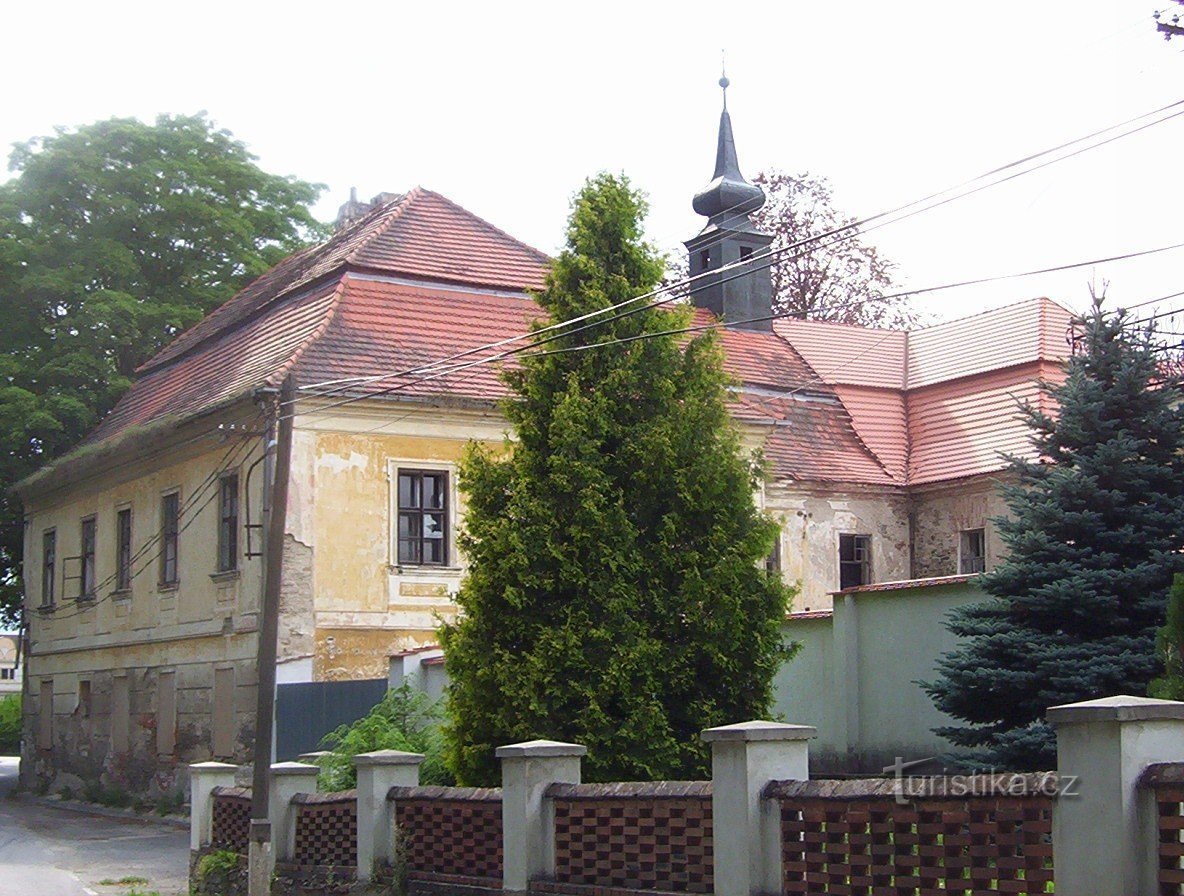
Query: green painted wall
x,y
856,676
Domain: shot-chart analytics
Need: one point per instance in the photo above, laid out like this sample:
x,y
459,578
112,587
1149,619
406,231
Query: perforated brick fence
x,y
231,818
1166,781
947,835
651,836
326,828
450,835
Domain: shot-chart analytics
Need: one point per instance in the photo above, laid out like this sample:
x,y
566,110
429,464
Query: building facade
x,y
143,546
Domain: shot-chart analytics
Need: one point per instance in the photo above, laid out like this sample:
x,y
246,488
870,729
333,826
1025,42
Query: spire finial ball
x,y
724,82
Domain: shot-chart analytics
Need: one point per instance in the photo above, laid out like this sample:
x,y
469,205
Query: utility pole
x,y
1169,29
260,849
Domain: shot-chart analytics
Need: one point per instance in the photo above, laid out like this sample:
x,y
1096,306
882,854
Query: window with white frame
x,y
423,517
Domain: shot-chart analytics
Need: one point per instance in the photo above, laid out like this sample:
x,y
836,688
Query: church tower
x,y
744,292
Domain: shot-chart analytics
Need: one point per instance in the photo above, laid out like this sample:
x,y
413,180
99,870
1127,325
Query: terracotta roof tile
x,y
224,367
419,234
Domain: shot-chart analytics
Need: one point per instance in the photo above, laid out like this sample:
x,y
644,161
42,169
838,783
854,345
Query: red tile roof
x,y
939,403
419,280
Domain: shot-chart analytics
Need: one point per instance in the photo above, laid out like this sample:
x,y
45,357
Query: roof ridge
x,y
541,255
392,210
965,317
278,376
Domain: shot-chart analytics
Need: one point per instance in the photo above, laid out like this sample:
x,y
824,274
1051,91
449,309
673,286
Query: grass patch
x,y
130,881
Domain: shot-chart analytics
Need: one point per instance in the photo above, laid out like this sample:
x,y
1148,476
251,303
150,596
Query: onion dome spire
x,y
729,198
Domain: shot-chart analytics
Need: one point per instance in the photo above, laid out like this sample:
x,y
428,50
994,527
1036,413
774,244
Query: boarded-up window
x,y
45,716
83,708
120,714
223,735
166,713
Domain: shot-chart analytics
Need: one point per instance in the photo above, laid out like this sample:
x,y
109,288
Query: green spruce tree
x,y
615,595
1093,539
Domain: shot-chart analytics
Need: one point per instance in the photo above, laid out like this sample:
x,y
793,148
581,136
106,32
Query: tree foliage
x,y
1093,539
848,281
113,238
614,595
407,720
1170,645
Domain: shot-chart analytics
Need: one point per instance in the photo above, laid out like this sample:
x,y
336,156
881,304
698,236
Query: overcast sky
x,y
506,108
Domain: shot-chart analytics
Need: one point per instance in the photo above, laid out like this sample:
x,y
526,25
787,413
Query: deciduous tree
x,y
615,595
113,238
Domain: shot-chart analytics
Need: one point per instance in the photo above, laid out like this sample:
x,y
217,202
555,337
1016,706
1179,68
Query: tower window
x,y
745,252
704,259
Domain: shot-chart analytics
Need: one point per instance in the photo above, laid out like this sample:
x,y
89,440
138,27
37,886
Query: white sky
x,y
506,108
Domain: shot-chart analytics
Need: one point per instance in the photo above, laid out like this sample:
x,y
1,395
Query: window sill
x,y
425,569
229,575
121,593
47,608
84,599
167,586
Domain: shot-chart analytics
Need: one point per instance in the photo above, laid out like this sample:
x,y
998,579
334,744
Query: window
x,y
423,517
773,561
7,674
123,550
972,551
170,506
49,559
86,580
745,252
228,523
855,560
83,708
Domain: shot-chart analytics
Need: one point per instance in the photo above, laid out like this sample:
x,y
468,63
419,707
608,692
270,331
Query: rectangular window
x,y
166,713
855,560
223,728
773,561
228,523
120,713
86,583
45,715
123,550
170,506
423,517
7,674
49,560
83,708
972,551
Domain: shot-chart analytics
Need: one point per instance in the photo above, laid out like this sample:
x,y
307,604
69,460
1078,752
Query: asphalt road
x,y
50,851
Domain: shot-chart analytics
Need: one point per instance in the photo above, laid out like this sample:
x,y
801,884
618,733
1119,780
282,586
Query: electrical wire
x,y
852,229
226,462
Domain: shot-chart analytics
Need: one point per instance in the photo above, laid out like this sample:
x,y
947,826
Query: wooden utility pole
x,y
260,850
1169,27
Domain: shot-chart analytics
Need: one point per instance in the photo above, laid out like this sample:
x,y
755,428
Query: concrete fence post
x,y
378,772
1103,841
747,829
528,843
287,780
203,778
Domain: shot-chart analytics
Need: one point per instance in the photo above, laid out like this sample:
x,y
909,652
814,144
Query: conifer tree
x,y
615,595
1093,536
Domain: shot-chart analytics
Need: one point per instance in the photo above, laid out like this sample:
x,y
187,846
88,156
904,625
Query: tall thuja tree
x,y
113,238
614,595
1093,540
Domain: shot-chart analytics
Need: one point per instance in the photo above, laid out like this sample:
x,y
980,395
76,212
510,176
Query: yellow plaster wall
x,y
199,604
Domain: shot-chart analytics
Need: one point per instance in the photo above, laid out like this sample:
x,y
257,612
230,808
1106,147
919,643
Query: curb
x,y
82,808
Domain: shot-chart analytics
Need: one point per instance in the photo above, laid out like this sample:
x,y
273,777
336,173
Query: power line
x,y
851,229
744,267
223,464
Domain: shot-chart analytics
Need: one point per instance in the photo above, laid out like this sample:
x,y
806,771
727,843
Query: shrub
x,y
10,724
406,719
